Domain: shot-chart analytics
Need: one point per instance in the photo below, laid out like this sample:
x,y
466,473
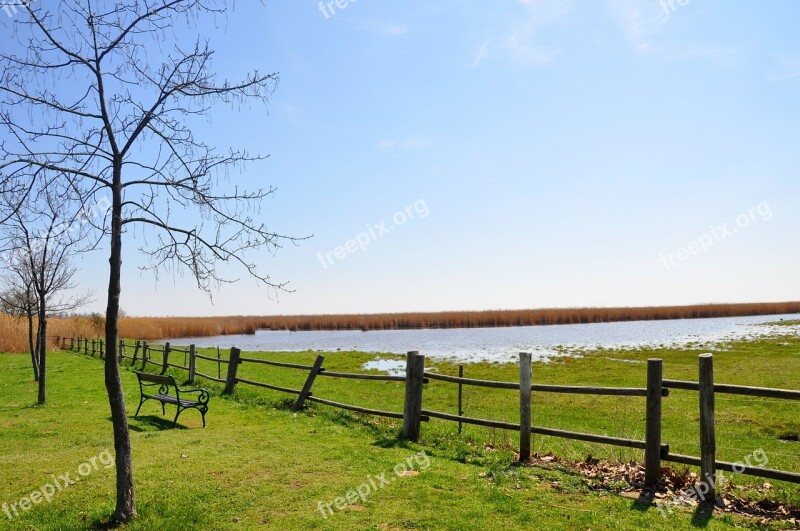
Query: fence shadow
x,y
703,515
644,503
391,441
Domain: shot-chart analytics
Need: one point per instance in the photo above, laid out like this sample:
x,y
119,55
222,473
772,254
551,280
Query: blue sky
x,y
524,154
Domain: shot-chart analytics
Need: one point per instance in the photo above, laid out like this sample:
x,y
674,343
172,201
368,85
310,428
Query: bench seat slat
x,y
167,399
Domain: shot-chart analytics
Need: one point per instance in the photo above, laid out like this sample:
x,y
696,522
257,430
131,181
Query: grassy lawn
x,y
258,465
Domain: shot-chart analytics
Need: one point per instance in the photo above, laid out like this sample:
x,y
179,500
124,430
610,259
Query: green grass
x,y
259,466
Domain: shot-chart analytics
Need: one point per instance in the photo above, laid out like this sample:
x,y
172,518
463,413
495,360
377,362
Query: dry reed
x,y
13,332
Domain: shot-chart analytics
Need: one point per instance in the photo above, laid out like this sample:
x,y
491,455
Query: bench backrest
x,y
156,379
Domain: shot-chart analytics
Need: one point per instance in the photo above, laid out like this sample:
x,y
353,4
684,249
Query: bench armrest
x,y
191,390
203,394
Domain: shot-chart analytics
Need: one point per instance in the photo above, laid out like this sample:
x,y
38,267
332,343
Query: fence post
x,y
233,366
85,347
525,377
708,443
102,349
306,392
136,352
165,365
72,343
652,452
145,352
412,410
460,395
94,347
121,350
192,362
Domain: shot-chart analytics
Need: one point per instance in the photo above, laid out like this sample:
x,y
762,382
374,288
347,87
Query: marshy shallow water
x,y
504,344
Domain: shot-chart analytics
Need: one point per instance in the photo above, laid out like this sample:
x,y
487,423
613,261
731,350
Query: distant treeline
x,y
165,327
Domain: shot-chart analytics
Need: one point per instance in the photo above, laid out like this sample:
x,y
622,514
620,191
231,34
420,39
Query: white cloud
x,y
788,68
481,54
647,26
521,43
527,55
639,20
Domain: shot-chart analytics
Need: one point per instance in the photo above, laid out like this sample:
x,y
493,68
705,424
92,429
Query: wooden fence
x,y
416,377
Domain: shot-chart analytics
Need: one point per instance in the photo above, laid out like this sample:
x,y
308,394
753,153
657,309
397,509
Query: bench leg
x,y
178,414
203,413
163,411
140,407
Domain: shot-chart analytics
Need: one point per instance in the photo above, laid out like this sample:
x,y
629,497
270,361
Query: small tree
x,y
40,238
123,125
19,301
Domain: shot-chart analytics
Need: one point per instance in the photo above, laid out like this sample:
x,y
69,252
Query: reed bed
x,y
13,332
210,326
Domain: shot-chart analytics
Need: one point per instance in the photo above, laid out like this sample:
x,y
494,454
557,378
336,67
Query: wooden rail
x,y
737,468
356,376
470,381
744,390
220,380
215,360
276,363
268,386
357,409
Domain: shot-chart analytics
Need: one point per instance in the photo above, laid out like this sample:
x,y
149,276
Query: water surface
x,y
504,344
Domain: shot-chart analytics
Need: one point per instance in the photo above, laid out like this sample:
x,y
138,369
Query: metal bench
x,y
158,387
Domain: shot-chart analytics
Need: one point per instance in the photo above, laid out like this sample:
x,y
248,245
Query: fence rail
x,y
356,376
416,377
744,390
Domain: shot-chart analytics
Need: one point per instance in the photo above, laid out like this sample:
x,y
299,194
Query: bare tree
x,y
124,126
39,239
18,300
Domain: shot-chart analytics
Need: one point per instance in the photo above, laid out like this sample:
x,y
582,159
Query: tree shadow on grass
x,y
104,524
144,423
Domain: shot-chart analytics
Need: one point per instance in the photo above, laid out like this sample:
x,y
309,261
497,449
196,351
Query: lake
x,y
504,344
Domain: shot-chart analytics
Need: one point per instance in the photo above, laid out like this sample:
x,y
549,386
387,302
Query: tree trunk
x,y
38,337
31,345
42,352
126,507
